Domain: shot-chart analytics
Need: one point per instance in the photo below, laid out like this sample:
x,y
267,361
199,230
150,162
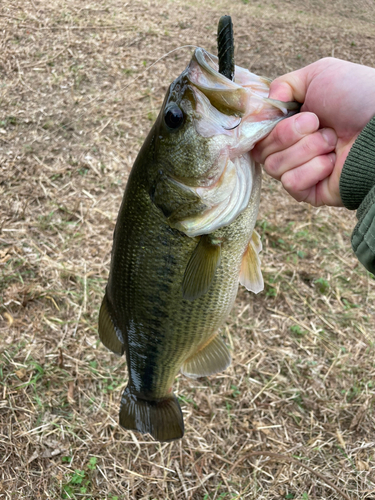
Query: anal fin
x,y
110,336
201,268
212,358
251,274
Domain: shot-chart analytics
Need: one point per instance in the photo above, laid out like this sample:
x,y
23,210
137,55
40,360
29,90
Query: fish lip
x,y
209,63
201,56
224,94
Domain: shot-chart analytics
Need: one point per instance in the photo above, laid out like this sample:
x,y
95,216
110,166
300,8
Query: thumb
x,y
290,87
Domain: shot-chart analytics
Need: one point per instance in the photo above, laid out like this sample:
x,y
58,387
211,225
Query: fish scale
x,y
196,321
184,239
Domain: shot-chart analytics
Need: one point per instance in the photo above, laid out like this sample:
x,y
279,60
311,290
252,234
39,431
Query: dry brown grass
x,y
293,417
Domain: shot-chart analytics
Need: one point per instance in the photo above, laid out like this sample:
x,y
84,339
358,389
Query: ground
x,y
293,417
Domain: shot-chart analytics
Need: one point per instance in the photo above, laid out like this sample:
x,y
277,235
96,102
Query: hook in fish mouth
x,y
235,126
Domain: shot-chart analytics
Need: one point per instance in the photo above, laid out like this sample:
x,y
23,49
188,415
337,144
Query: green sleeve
x,y
357,190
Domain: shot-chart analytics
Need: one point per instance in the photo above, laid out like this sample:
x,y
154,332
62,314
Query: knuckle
x,y
314,145
278,135
272,164
327,60
309,146
290,182
259,153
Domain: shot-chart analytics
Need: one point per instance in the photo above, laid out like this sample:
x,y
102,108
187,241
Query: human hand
x,y
307,151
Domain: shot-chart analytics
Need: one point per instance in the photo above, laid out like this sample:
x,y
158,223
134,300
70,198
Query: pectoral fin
x,y
201,268
256,242
251,274
212,358
108,333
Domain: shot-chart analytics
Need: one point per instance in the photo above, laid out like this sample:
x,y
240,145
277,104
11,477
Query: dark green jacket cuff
x,y
363,237
358,175
357,190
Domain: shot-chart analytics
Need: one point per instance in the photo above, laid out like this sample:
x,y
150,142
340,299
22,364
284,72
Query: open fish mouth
x,y
234,115
224,94
243,100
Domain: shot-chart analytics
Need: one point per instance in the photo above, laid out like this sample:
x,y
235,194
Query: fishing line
x,y
114,93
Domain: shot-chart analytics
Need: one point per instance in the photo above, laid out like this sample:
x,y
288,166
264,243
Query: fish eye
x,y
174,117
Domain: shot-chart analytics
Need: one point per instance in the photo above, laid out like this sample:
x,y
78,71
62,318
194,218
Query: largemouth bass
x,y
184,238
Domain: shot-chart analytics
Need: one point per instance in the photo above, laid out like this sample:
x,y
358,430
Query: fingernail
x,y
306,123
332,157
330,136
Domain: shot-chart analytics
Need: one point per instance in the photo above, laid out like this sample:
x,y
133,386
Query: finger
x,y
302,182
281,90
328,193
285,134
291,86
319,143
322,194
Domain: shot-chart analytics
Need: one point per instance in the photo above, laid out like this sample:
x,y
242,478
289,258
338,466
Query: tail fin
x,y
162,418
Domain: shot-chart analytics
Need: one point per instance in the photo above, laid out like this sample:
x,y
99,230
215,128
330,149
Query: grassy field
x,y
293,417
